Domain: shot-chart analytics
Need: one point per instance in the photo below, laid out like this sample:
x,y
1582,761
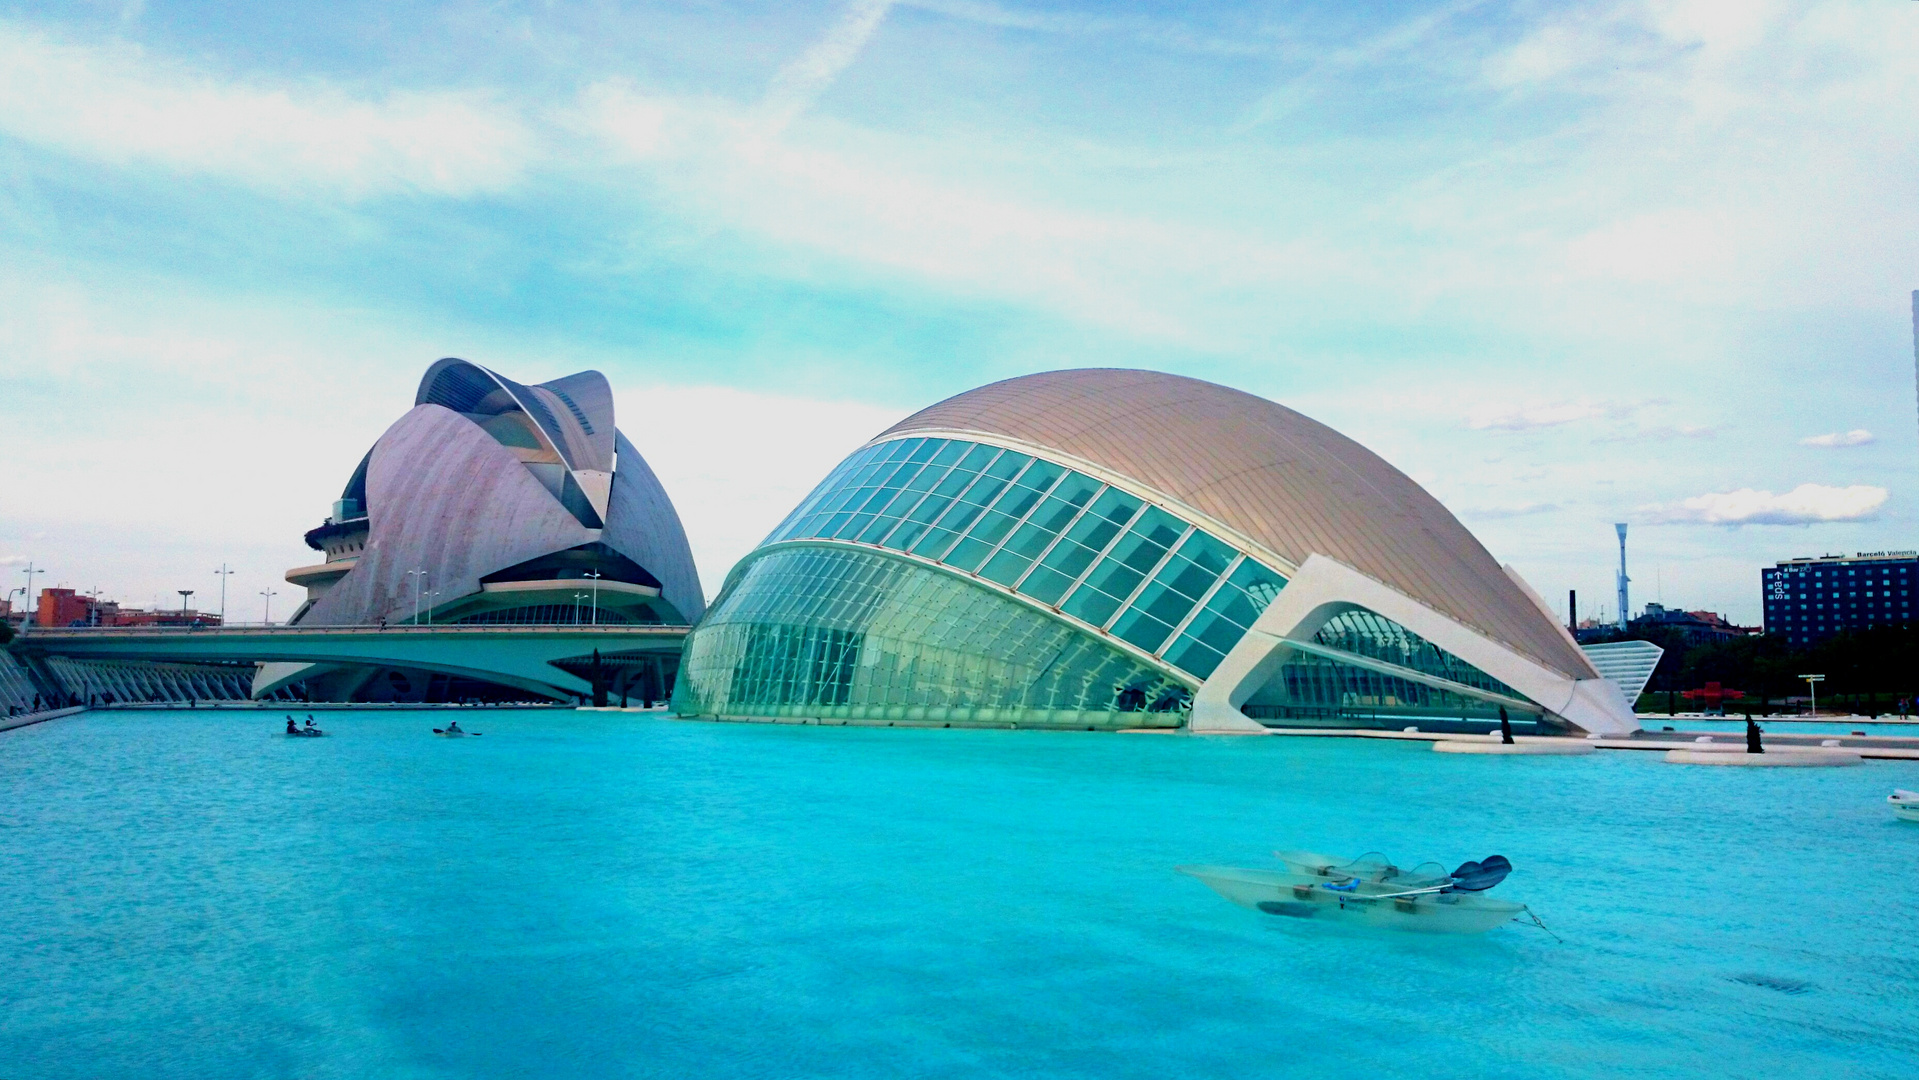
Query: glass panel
x,y
950,452
1052,515
995,523
1226,617
1138,628
1083,542
936,501
1091,605
960,514
810,632
1311,690
831,495
1369,634
907,497
1191,656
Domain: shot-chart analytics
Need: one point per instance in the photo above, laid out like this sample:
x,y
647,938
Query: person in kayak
x,y
292,729
454,728
309,721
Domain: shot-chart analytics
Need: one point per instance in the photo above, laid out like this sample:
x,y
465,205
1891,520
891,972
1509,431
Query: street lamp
x,y
416,593
266,619
184,593
595,575
26,598
1812,687
224,573
430,594
577,597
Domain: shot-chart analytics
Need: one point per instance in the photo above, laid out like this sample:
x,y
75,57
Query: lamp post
x,y
26,598
577,597
184,593
595,575
416,593
266,618
1812,687
224,573
430,594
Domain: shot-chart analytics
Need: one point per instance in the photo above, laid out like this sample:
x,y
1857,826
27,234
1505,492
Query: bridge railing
x,y
611,630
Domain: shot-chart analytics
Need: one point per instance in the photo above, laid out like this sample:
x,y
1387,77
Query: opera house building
x,y
1112,549
492,502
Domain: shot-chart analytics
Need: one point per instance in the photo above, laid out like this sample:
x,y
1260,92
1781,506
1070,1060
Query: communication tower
x,y
1623,579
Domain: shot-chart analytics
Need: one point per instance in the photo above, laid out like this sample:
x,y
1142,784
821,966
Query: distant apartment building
x,y
1696,627
1808,600
65,607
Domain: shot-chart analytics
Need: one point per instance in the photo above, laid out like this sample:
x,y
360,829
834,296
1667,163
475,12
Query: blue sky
x,y
1644,262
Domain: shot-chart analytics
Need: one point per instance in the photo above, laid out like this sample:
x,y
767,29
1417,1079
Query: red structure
x,y
64,607
1713,695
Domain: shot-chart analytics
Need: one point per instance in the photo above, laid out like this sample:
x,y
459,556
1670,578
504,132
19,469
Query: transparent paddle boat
x,y
1905,804
1371,891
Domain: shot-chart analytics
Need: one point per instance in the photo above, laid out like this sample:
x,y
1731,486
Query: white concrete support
x,y
1325,587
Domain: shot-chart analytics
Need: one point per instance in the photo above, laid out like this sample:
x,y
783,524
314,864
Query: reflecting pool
x,y
191,894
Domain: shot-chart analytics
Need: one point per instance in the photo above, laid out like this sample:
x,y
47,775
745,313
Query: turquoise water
x,y
190,895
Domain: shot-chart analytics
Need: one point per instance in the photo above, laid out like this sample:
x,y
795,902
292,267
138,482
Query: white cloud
x,y
1855,437
1804,505
801,82
714,161
117,104
1498,416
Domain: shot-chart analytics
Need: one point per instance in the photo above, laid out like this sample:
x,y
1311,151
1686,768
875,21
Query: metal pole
x,y
224,573
26,598
595,575
1812,687
184,593
416,595
266,619
1623,579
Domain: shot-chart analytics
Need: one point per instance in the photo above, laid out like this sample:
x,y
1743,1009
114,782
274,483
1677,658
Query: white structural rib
x,y
1324,588
1629,664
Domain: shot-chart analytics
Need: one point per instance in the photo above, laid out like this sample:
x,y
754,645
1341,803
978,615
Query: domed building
x,y
1108,548
496,502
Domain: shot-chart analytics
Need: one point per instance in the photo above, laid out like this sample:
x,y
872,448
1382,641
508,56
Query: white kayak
x,y
1905,804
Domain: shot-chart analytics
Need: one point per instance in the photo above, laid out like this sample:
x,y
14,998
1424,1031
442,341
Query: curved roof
x,y
1282,479
443,493
573,415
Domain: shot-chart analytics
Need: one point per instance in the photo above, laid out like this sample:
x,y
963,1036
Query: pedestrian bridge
x,y
553,661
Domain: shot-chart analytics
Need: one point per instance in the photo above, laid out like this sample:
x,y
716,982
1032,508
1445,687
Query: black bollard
x,y
1505,727
1752,737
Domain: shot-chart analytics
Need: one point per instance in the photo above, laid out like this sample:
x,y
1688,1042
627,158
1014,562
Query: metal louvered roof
x,y
1283,479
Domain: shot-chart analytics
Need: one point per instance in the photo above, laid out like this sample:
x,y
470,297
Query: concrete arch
x,y
1325,587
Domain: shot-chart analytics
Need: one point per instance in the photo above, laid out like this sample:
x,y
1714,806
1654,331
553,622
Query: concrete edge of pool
x,y
1880,747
